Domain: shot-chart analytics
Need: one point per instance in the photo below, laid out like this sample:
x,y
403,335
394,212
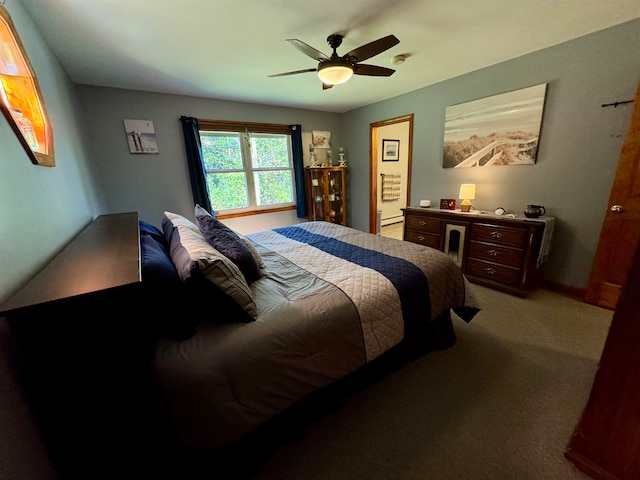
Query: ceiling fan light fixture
x,y
332,74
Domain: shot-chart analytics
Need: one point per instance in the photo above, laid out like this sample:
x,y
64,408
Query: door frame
x,y
373,164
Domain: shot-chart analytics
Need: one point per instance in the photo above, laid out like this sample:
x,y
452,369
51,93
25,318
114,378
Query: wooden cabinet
x,y
498,252
327,194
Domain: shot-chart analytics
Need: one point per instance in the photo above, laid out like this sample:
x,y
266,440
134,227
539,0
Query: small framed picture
x,y
321,139
141,136
390,150
447,203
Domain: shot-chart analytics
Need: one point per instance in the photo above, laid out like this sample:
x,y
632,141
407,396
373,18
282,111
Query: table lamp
x,y
467,193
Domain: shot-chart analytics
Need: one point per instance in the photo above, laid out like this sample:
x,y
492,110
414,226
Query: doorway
x,y
390,174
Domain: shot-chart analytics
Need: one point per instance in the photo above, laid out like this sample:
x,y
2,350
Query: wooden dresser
x,y
80,326
498,252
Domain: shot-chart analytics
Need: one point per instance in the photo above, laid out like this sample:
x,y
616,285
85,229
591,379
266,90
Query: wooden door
x,y
620,234
606,441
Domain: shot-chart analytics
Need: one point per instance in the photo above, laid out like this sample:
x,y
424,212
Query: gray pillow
x,y
195,259
229,243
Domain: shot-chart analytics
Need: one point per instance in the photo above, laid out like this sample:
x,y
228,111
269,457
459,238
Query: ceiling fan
x,y
338,69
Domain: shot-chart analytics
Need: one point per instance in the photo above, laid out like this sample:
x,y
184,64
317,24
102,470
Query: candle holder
x,y
312,153
341,160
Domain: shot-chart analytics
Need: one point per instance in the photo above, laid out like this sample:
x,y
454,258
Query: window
x,y
20,99
248,167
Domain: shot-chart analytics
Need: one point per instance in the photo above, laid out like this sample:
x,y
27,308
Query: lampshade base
x,y
465,208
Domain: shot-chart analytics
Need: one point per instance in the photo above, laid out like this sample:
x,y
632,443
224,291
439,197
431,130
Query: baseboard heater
x,y
391,220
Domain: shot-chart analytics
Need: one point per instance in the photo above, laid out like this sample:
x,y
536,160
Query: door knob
x,y
616,208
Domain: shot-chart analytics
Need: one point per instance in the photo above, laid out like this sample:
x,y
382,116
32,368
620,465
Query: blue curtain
x,y
298,169
191,132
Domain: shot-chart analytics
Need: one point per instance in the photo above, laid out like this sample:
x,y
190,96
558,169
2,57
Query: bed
x,y
285,313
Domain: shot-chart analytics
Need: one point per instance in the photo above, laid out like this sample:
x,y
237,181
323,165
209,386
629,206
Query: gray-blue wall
x,y
43,208
578,152
150,184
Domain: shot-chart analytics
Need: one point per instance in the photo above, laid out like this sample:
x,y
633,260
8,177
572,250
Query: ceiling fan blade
x,y
372,70
294,73
373,48
308,50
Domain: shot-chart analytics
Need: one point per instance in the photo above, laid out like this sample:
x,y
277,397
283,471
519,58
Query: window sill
x,y
247,213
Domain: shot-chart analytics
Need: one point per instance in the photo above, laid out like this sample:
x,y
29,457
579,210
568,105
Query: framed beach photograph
x,y
141,136
390,150
499,130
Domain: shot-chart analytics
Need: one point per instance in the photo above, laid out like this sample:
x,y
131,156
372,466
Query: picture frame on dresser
x,y
448,203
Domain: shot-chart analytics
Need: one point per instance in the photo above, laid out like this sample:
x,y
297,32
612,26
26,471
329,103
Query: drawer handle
x,y
490,271
420,237
422,223
495,234
493,253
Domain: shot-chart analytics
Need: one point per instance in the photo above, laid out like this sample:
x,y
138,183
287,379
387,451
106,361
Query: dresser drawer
x,y
493,271
499,252
495,253
423,224
428,239
513,237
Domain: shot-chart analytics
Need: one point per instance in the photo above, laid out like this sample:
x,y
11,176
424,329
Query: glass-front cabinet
x,y
326,194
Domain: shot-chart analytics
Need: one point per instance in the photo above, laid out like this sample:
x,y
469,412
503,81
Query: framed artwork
x,y
390,150
499,130
141,136
320,139
21,101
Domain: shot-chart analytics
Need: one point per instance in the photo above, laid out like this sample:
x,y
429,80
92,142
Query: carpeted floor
x,y
501,404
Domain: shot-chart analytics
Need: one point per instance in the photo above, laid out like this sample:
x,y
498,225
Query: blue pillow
x,y
157,267
228,243
164,296
148,229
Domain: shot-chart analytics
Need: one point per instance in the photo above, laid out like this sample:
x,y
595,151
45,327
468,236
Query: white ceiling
x,y
226,49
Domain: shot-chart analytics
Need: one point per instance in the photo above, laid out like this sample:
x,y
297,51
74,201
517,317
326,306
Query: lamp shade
x,y
332,74
467,191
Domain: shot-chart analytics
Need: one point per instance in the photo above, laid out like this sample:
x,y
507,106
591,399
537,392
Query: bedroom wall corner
x,y
42,208
579,149
151,184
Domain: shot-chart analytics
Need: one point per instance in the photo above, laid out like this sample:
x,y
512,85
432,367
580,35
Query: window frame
x,y
228,126
30,89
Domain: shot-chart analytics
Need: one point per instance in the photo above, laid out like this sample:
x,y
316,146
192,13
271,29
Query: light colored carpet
x,y
500,404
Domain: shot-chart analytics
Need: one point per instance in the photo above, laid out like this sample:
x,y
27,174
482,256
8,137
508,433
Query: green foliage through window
x,y
247,171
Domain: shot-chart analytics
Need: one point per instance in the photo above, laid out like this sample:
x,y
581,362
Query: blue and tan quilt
x,y
331,299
